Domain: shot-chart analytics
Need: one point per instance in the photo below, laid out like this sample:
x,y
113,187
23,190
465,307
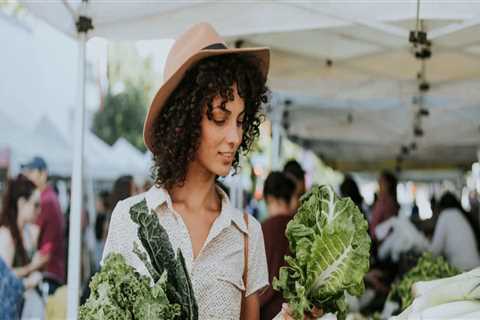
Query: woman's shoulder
x,y
249,222
122,233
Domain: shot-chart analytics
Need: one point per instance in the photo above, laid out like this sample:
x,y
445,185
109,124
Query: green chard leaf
x,y
330,244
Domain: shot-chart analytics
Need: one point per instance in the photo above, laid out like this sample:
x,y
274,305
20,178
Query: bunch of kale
x,y
120,292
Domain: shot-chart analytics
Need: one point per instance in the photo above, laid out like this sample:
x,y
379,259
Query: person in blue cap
x,y
51,242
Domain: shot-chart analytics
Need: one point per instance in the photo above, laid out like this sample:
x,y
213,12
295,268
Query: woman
x,y
205,114
349,188
455,235
19,208
387,205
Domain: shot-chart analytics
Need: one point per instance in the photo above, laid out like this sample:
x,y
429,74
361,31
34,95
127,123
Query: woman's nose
x,y
234,135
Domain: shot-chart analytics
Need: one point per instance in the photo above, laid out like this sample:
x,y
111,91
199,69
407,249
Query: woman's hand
x,y
285,314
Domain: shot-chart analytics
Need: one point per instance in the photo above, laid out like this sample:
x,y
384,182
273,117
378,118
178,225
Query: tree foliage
x,y
122,115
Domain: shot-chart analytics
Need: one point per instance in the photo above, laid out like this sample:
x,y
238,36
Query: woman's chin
x,y
222,170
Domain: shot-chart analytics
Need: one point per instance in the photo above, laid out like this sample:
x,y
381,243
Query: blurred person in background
x,y
18,238
382,272
294,170
387,205
123,188
455,236
102,208
51,242
17,234
473,200
349,188
147,184
279,192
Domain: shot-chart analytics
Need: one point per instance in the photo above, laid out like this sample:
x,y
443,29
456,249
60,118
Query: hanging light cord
x,y
418,15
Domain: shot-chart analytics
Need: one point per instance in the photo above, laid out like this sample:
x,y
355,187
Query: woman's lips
x,y
227,156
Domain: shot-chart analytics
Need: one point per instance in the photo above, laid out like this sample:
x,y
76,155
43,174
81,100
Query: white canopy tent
x,y
99,162
134,161
346,66
24,144
46,140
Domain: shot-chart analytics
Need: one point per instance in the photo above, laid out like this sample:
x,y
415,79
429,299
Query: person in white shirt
x,y
204,116
455,236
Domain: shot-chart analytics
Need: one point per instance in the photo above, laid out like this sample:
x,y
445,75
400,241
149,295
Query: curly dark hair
x,y
176,131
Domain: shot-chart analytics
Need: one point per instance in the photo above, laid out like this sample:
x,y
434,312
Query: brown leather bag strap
x,y
245,253
245,267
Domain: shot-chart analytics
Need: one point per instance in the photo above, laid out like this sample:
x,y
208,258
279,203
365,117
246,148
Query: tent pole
x,y
84,24
74,239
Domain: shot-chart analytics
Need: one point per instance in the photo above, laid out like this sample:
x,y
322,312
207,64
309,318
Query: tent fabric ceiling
x,y
154,19
354,94
347,67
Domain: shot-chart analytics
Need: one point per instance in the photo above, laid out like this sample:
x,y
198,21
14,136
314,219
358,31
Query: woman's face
x,y
221,135
28,209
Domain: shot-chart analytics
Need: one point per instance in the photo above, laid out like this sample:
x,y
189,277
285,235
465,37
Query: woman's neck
x,y
198,191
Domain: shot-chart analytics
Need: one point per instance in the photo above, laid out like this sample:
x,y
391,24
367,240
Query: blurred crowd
x,y
34,236
397,242
34,242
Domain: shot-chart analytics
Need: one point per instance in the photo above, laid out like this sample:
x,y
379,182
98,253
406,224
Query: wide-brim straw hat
x,y
197,43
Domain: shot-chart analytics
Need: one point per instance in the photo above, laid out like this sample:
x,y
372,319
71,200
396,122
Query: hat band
x,y
215,46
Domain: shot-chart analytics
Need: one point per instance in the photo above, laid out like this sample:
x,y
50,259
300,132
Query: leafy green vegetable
x,y
162,258
428,268
330,245
119,292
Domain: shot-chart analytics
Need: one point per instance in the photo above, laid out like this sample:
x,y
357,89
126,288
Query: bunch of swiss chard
x,y
330,254
119,292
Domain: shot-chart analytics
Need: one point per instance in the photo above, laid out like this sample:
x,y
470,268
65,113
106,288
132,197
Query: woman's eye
x,y
219,122
240,123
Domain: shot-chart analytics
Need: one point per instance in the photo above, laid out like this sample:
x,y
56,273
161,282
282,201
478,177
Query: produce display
x,y
119,292
330,245
455,297
428,268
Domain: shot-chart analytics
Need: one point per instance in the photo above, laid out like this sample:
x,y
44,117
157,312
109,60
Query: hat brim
x,y
263,55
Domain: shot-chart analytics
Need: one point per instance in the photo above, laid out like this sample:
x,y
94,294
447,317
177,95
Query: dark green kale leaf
x,y
162,257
